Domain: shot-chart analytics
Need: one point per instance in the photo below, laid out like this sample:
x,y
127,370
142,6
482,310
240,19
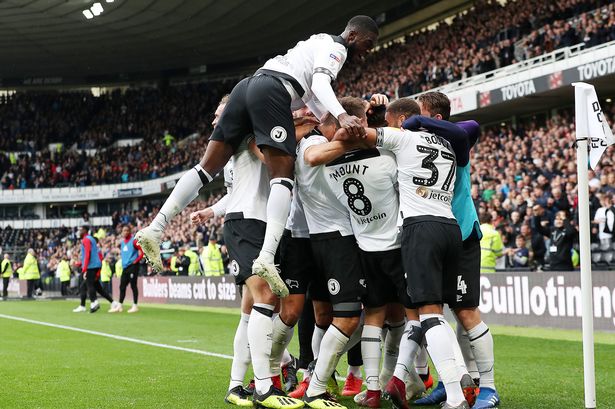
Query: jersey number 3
x,y
428,163
354,190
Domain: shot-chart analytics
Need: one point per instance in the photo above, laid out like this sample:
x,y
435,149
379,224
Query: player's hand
x,y
352,125
378,100
201,216
412,124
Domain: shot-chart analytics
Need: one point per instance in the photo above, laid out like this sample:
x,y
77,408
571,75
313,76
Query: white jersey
x,y
228,175
365,183
323,212
250,185
426,167
318,54
296,222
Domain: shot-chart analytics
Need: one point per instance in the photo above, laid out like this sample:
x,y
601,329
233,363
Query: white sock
x,y
461,363
260,329
354,371
391,350
317,336
184,192
282,334
439,345
286,356
278,207
421,361
241,352
370,350
482,345
333,344
408,347
466,350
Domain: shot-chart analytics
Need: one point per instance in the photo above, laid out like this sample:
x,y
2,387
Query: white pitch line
x,y
118,337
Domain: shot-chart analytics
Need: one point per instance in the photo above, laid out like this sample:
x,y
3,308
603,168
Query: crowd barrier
x,y
534,299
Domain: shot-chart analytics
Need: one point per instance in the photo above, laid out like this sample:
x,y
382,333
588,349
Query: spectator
x,y
519,255
605,220
31,272
562,237
211,258
182,263
491,244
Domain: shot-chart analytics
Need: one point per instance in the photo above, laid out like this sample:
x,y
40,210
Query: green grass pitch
x,y
44,367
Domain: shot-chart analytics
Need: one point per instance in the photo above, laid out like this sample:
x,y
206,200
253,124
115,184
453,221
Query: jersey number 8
x,y
357,195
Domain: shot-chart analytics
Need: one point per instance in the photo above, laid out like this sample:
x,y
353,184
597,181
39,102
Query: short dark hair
x,y
362,24
86,227
404,106
436,103
485,218
352,106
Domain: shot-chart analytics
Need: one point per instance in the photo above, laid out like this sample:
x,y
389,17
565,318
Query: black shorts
x,y
298,268
430,253
468,275
259,106
244,240
338,258
385,279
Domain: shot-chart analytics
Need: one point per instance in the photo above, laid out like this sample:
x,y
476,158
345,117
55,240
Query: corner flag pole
x,y
582,138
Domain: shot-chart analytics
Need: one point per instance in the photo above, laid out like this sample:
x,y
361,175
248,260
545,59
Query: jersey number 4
x,y
428,163
354,190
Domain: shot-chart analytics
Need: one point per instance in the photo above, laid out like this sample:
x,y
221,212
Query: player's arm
x,y
216,210
255,150
324,153
87,247
327,64
139,251
472,128
455,135
391,139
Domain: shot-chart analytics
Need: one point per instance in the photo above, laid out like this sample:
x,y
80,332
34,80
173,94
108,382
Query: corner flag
x,y
590,122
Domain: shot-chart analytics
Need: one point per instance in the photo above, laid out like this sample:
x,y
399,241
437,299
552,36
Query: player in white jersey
x,y
431,243
244,231
364,181
336,255
262,105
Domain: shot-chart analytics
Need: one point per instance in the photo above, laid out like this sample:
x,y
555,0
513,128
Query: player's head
x,y
361,35
353,106
400,110
84,230
219,110
435,104
126,231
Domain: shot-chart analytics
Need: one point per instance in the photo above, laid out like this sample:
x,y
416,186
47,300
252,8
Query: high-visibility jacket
x,y
6,268
30,268
490,248
194,269
118,268
211,258
64,271
105,272
173,266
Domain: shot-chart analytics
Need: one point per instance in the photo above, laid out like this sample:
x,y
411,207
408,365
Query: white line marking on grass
x,y
118,337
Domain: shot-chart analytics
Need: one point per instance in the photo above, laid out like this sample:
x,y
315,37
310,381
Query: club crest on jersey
x,y
334,286
278,134
234,268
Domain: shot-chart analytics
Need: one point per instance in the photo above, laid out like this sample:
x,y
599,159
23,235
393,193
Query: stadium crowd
x,y
522,176
477,41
